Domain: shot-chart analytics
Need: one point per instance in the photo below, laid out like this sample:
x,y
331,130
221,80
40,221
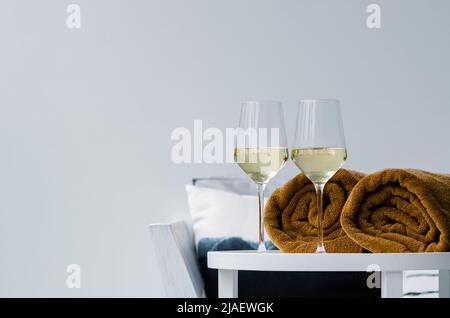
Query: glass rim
x,y
309,100
261,103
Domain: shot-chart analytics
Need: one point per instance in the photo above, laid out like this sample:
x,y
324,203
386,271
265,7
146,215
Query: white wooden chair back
x,y
177,259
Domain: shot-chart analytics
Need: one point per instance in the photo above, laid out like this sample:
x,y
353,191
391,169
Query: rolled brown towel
x,y
400,210
291,214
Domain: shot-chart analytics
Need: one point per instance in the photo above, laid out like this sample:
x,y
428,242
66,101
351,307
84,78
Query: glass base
x,y
320,250
262,247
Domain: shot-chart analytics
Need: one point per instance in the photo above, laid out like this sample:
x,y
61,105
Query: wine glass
x,y
261,148
319,148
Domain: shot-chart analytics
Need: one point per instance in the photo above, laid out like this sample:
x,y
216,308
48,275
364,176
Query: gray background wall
x,y
86,115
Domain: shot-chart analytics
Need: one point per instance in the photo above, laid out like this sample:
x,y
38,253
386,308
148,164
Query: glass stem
x,y
319,193
261,246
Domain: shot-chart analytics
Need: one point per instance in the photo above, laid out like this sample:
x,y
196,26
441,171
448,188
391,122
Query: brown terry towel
x,y
291,214
397,210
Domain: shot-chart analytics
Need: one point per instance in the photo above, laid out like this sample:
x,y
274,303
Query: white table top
x,y
278,261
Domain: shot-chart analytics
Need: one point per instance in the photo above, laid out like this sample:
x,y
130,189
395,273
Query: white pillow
x,y
217,213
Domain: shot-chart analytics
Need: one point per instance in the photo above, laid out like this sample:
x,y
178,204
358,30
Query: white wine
x,y
261,164
319,164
